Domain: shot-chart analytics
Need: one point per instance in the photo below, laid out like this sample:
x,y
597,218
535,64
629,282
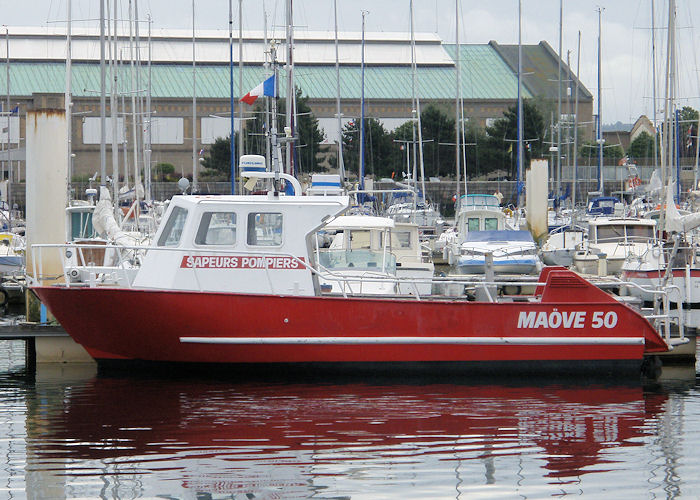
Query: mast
x,y
194,109
653,83
362,108
103,103
341,163
417,100
134,121
67,98
561,21
266,65
600,140
520,153
241,149
113,111
9,119
147,128
138,117
670,94
578,68
291,91
232,140
458,96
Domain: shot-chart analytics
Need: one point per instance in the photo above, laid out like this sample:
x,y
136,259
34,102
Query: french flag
x,y
265,88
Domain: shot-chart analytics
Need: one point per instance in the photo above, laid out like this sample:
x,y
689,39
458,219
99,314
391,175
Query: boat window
x,y
401,239
81,225
358,260
640,232
216,228
170,237
610,233
473,224
490,224
264,229
360,240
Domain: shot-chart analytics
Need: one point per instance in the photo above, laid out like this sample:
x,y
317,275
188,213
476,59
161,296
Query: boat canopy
x,y
506,235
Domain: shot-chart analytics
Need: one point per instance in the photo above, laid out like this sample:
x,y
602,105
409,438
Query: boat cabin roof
x,y
360,222
621,222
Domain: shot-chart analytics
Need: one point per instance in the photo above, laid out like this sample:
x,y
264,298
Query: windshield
x,y
357,260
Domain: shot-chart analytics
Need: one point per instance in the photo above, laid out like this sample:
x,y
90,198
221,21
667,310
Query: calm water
x,y
71,433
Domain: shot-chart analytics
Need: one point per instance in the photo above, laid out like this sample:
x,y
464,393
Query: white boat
x,y
475,212
561,245
615,240
371,248
512,252
675,263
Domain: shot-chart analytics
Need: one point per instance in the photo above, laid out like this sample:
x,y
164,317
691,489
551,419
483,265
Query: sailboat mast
x,y
194,108
362,108
232,138
458,95
600,107
417,99
291,91
653,82
670,93
520,153
147,128
67,99
578,68
561,22
113,111
103,103
341,163
9,119
241,143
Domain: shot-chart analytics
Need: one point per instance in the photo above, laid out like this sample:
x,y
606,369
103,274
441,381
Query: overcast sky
x,y
626,33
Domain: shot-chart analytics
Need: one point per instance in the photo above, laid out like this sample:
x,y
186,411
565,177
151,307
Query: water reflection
x,y
123,437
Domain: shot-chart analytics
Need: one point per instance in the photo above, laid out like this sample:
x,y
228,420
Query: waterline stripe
x,y
418,340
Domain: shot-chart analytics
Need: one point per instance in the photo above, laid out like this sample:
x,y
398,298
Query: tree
x,y
308,132
503,136
380,151
218,162
688,131
438,131
642,146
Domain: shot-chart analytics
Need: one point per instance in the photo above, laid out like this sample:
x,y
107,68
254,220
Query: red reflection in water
x,y
569,427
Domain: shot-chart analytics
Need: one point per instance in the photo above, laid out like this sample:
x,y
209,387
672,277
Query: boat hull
x,y
196,327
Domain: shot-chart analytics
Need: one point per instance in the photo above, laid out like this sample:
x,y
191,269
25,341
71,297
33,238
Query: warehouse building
x,y
160,68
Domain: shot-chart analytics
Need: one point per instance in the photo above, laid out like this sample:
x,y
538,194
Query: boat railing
x,y
661,312
83,272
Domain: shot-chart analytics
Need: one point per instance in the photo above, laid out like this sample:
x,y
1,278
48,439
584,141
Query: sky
x,y
626,62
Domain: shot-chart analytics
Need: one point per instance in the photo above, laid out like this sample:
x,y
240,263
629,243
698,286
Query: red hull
x,y
171,326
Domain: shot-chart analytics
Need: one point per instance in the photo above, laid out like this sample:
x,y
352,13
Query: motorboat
x,y
374,247
614,240
475,212
561,245
254,298
509,251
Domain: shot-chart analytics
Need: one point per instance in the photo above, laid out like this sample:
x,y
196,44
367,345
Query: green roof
x,y
484,75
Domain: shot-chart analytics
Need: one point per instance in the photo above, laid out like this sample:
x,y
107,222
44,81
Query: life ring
x,y
508,212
